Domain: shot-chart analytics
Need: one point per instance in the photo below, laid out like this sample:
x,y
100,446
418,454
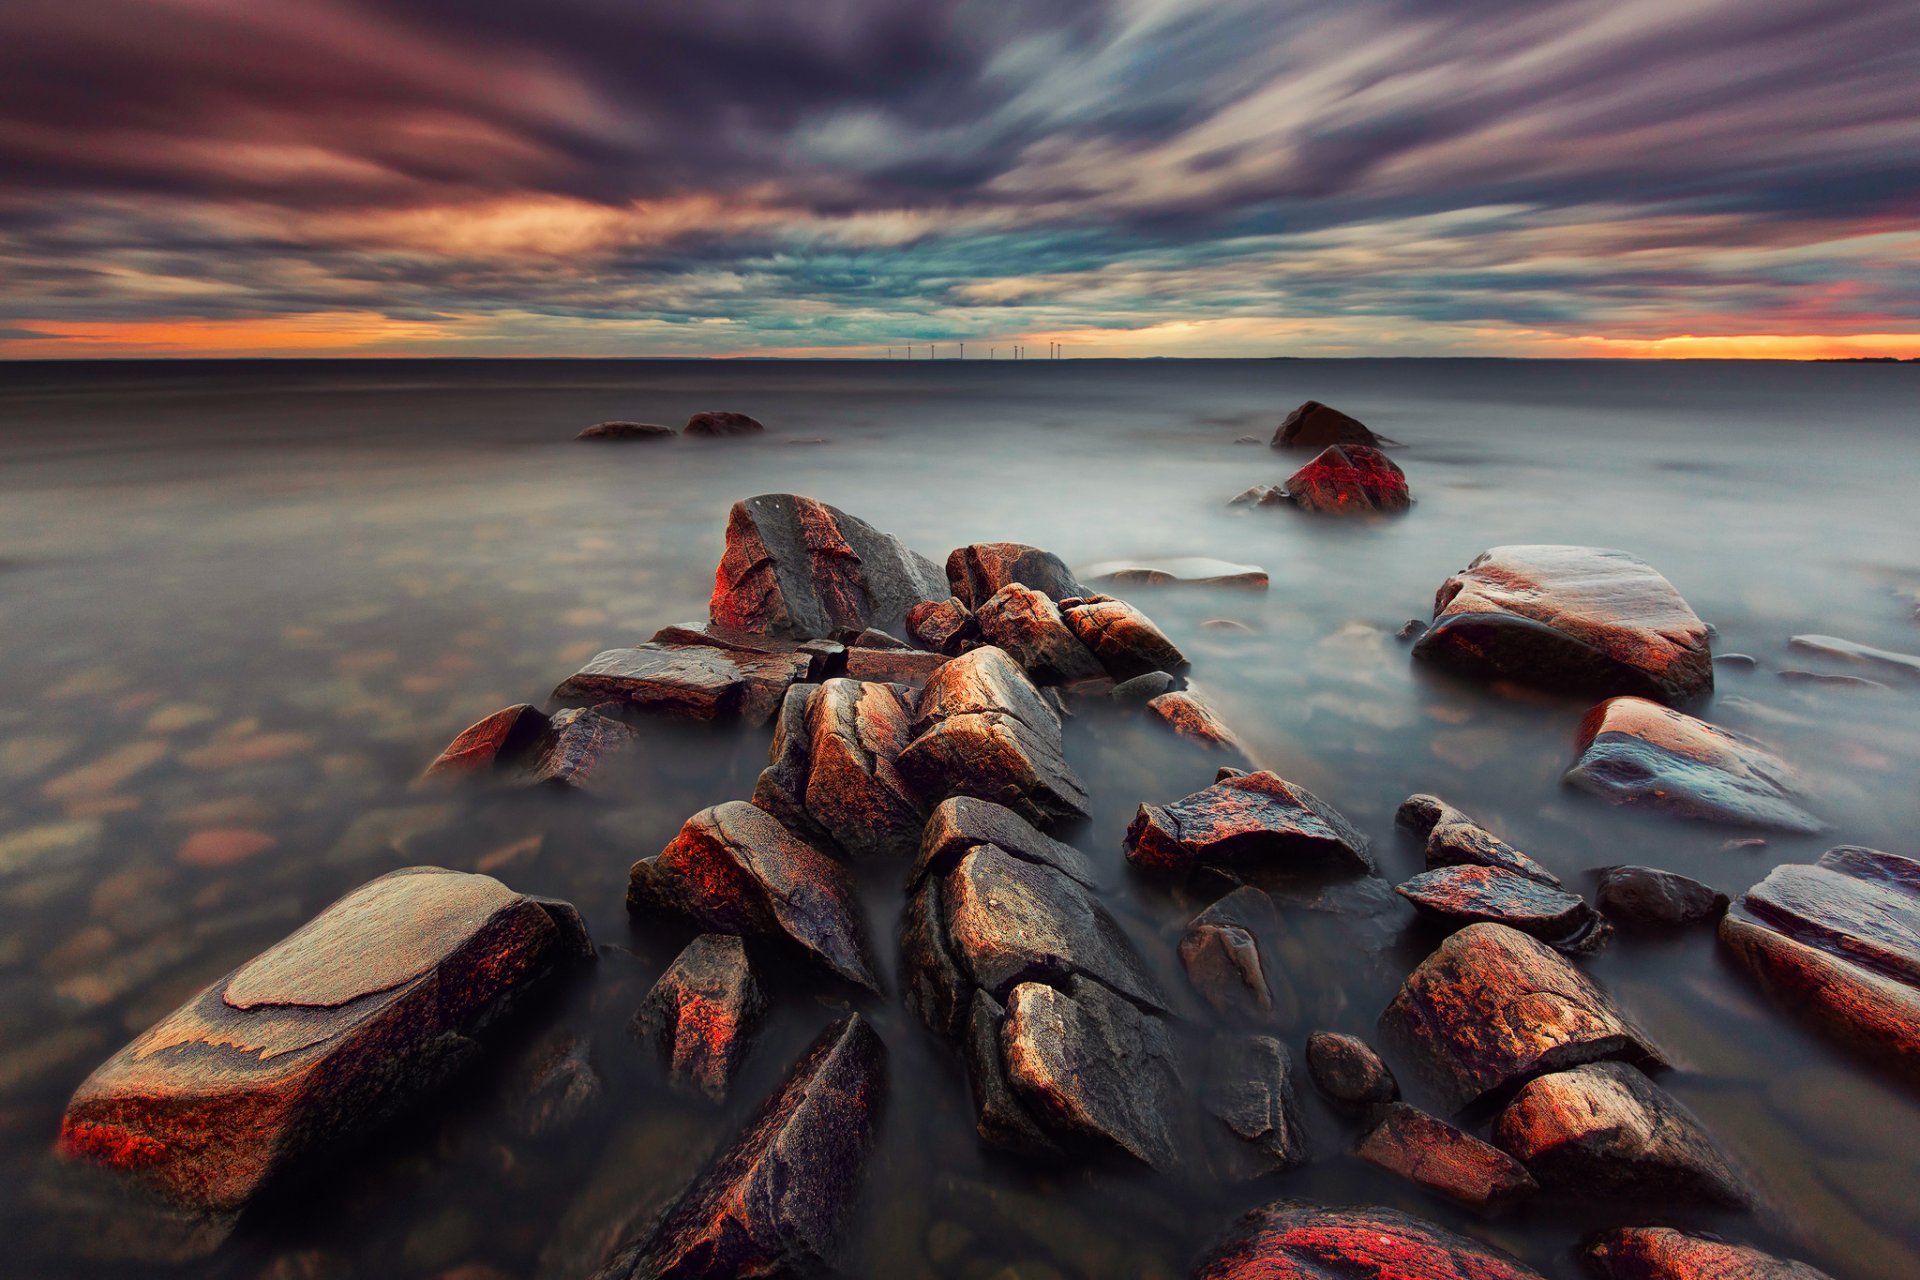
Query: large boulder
x,y
1573,619
1296,1240
734,869
1124,639
797,567
1027,626
831,773
722,422
978,572
1662,1253
1648,898
1470,894
686,682
1431,1153
1315,426
1251,824
1350,480
330,1031
1250,1095
1455,840
1639,753
1492,1008
610,431
774,1201
702,1014
1222,956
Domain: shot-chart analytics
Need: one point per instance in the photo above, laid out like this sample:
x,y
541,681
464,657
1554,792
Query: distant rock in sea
x,y
1315,426
720,422
626,431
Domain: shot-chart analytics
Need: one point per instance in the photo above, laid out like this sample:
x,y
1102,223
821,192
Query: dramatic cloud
x,y
1127,176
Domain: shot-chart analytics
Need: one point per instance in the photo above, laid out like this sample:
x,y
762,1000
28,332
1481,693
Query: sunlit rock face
x,y
1315,426
1662,1253
1583,620
832,772
1256,824
1123,639
1295,1240
1350,480
980,570
323,1035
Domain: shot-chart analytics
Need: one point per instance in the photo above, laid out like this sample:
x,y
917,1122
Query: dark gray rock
x,y
1348,1071
1221,954
1250,1092
1647,898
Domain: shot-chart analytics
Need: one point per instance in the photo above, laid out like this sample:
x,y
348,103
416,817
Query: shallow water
x,y
262,596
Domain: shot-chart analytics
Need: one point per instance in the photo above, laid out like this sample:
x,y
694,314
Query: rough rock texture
x,y
722,422
1455,840
1662,1253
796,567
571,747
1350,480
1183,711
734,869
824,655
773,1203
1252,823
1426,1150
488,744
1347,1070
1883,661
1029,628
1249,1091
1186,571
1124,639
687,682
1572,619
911,668
831,774
1144,688
1470,894
321,1036
1315,426
984,680
626,431
703,1012
1605,1129
978,572
962,823
1221,954
1492,1008
944,626
1647,898
1636,752
1296,1240
1838,944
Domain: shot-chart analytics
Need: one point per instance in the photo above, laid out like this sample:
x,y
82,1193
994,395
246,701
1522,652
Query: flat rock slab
x,y
722,422
702,1014
1455,840
734,869
902,666
1027,625
1296,1240
977,572
1352,479
612,431
800,568
1471,894
1662,1253
1583,620
1884,661
984,679
1253,823
323,1035
962,823
1648,898
1315,426
1249,1092
1222,956
1122,638
1491,1008
1604,1129
774,1201
1431,1153
832,768
824,655
1180,571
1639,753
1184,712
686,682
1348,1070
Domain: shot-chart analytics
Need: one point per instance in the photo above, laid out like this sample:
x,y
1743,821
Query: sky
x,y
844,177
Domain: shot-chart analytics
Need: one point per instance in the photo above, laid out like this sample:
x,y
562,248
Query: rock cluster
x,y
1475,876
832,774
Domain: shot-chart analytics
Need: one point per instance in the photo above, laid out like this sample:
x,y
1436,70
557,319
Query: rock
x,y
796,567
1737,661
1349,480
1124,640
1881,660
702,1014
557,1087
1469,894
626,431
1029,628
1570,619
1646,898
1443,1159
774,1202
483,746
1230,626
963,823
571,747
1831,680
1347,1070
1411,629
1315,426
734,869
1249,1090
1492,1008
338,1026
944,626
980,571
1838,944
831,773
1184,713
908,668
1639,753
1296,1240
1662,1253
1247,440
1144,688
1221,954
984,680
824,655
1259,495
721,422
685,682
1455,840
1181,571
1604,1129
1250,824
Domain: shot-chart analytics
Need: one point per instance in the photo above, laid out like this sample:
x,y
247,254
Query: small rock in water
x,y
1662,1253
1886,660
1347,1070
944,626
626,431
978,572
1144,688
223,848
1249,1090
1411,629
703,1012
1184,713
557,1086
1123,639
1455,840
489,743
1221,954
1469,894
1297,1240
1736,661
1315,426
1349,480
1251,823
1434,1154
1647,898
1259,495
1831,680
722,422
1183,571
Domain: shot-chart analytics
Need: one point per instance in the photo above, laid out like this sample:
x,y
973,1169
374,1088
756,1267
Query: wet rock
x,y
1144,688
702,1014
796,567
1122,638
980,571
685,682
1838,944
734,869
1315,426
831,773
1879,660
1605,1129
1221,954
1571,619
626,431
1249,1090
1646,898
1347,1070
1492,1008
1470,894
1259,495
722,422
1455,840
1000,1118
323,1035
1183,571
1029,628
1296,1240
1662,1253
571,747
1434,1154
1411,629
962,823
1638,753
943,626
1249,824
557,1086
486,744
1184,713
908,668
774,1202
824,655
984,680
1349,480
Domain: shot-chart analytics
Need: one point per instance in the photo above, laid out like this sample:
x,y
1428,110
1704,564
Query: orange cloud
x,y
318,333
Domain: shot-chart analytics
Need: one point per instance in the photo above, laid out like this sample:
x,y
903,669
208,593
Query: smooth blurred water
x,y
261,596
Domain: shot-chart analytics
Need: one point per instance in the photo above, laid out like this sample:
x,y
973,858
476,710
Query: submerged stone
x,y
1349,1071
1221,954
1250,1092
1442,1158
979,571
702,1014
1455,840
626,431
1297,1240
1252,823
1880,660
1470,894
489,743
1183,711
1315,426
1350,480
1648,898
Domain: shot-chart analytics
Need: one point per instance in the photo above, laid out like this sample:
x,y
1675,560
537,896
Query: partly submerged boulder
x,y
1350,480
1296,1240
521,744
686,682
1315,426
1431,1153
1455,840
702,1014
1122,638
1252,824
626,431
1187,714
981,570
1349,1071
1249,1092
1028,626
1572,619
722,422
1648,898
831,773
1462,895
1663,1253
491,743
